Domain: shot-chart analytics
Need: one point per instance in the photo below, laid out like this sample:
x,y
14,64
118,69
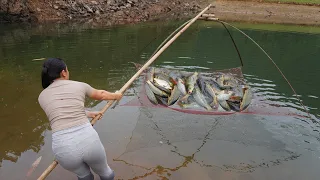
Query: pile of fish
x,y
193,89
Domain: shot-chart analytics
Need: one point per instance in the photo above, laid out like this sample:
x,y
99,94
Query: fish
x,y
235,99
191,89
246,99
162,83
235,106
38,59
226,77
225,105
202,85
212,93
214,104
191,80
198,96
174,95
174,76
34,166
181,86
226,86
224,95
150,74
164,77
220,80
226,82
215,86
233,83
162,100
212,82
190,105
168,91
185,73
237,93
210,90
185,99
150,94
156,91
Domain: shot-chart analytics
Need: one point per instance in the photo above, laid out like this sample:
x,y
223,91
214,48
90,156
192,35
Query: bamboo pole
x,y
208,15
126,86
209,18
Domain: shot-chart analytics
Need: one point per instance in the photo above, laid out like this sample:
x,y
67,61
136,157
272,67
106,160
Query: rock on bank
x,y
103,11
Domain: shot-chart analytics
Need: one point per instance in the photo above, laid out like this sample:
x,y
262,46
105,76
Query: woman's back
x,y
63,103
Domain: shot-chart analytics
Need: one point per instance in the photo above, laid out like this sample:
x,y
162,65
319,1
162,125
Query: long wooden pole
x,y
126,86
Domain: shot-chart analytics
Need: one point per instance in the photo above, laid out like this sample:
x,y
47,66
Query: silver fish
x,y
168,91
150,74
185,73
156,91
190,106
164,77
246,100
234,105
198,96
224,95
34,166
215,86
162,100
174,95
150,94
210,90
202,85
225,105
174,75
181,86
212,93
185,99
191,80
215,103
163,83
226,81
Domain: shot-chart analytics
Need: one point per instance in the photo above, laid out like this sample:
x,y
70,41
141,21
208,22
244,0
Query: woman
x,y
75,144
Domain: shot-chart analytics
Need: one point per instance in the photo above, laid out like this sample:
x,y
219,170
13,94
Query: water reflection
x,y
213,145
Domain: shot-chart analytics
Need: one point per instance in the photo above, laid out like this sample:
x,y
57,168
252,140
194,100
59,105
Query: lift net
x,y
168,138
258,105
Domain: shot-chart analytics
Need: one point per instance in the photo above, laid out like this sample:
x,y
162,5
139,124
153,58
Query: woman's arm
x,y
104,95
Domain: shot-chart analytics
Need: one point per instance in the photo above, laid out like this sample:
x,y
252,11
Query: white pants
x,y
78,149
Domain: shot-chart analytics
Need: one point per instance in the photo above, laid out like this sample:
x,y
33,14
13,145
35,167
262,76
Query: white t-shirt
x,y
63,103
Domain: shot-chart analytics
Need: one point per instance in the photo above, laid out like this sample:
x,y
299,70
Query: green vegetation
x,y
279,27
265,27
297,1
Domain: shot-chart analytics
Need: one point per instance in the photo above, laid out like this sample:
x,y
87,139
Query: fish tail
x,y
208,108
214,104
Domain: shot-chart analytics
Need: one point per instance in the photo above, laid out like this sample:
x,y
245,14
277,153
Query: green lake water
x,y
274,142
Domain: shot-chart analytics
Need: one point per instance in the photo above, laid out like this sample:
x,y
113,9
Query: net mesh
x,y
168,138
259,105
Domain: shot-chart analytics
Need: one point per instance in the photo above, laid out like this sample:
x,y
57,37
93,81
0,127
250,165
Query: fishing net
x,y
258,105
142,99
165,139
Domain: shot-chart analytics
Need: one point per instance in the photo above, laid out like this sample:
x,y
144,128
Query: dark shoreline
x,y
117,12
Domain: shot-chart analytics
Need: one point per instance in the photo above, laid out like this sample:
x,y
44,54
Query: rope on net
x,y
300,101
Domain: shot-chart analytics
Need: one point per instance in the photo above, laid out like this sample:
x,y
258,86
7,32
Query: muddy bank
x,y
99,11
251,11
109,12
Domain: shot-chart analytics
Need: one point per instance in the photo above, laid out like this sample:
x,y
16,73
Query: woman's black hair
x,y
51,70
